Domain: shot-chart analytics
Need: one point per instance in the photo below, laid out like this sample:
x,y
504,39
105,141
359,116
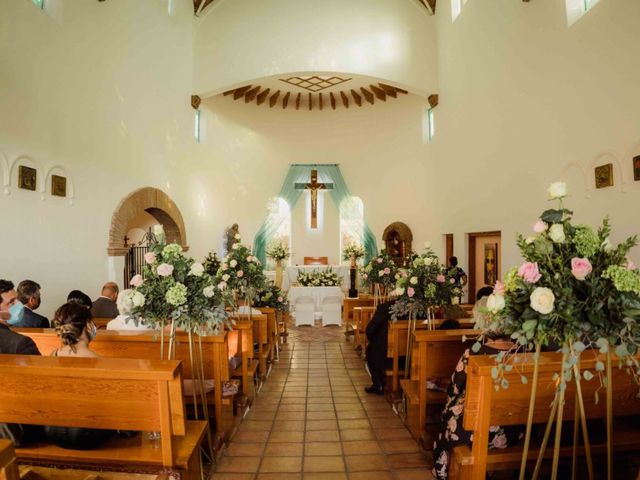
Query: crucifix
x,y
313,186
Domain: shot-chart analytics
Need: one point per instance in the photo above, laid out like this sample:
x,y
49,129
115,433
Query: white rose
x,y
208,291
495,303
236,246
233,263
226,277
530,240
249,259
399,291
455,300
196,270
557,190
556,233
137,299
428,261
413,280
380,273
158,230
222,285
606,245
542,300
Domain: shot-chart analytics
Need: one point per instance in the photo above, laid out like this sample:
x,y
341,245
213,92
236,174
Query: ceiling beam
x,y
367,94
333,100
389,90
356,97
251,94
239,92
298,101
345,99
274,99
263,96
285,100
379,93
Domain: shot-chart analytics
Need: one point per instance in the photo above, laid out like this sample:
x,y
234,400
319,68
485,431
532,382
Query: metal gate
x,y
134,263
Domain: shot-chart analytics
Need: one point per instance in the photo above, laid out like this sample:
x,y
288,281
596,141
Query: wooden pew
x,y
146,345
8,463
435,356
101,323
106,393
363,300
361,318
484,406
28,472
240,339
272,332
397,345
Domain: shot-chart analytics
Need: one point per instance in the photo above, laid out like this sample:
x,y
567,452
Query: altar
x,y
290,277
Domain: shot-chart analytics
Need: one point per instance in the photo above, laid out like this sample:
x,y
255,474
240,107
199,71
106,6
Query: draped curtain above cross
x,y
300,175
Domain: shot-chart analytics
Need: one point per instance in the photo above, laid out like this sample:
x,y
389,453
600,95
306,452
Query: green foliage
x,y
272,297
380,270
241,273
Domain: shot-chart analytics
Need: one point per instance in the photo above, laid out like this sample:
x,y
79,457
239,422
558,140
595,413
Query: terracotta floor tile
x,y
370,476
354,424
361,434
278,476
297,407
251,437
362,463
276,449
281,464
324,464
387,422
352,414
400,446
236,449
408,460
238,465
323,436
324,415
255,425
286,437
284,416
322,425
325,476
362,447
322,448
288,426
232,476
393,434
424,474
319,407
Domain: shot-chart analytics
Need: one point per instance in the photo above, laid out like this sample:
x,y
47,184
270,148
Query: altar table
x,y
290,276
317,293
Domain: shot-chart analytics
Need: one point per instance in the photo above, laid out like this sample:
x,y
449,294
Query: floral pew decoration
x,y
352,253
575,290
380,273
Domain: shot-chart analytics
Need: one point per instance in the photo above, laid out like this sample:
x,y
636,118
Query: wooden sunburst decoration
x,y
315,99
315,83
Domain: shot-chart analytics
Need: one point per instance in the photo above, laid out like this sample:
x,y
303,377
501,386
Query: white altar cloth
x,y
317,293
290,276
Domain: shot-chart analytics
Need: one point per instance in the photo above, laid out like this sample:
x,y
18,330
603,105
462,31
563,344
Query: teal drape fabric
x,y
327,173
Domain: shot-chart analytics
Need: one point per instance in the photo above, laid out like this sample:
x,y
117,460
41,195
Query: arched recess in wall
x,y
4,170
27,162
619,179
157,204
398,240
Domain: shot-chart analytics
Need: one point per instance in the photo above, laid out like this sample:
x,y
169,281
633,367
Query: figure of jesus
x,y
313,186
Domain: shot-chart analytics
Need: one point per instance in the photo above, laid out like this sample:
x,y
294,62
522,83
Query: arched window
x,y
279,221
351,222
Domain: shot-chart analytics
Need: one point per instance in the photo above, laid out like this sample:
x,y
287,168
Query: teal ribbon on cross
x,y
297,177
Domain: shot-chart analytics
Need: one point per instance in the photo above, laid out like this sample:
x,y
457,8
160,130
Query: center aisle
x,y
312,420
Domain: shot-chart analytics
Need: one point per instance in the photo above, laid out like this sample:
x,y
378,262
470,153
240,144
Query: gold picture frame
x,y
636,168
604,176
58,186
27,178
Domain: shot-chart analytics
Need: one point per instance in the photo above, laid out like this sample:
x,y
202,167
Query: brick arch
x,y
156,203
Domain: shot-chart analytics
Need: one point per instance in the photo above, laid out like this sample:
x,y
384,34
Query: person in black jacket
x,y
29,295
377,333
10,341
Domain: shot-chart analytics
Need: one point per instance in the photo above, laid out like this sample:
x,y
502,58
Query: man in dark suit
x,y
105,306
12,342
29,295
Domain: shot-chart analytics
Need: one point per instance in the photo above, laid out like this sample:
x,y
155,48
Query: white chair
x,y
332,311
305,311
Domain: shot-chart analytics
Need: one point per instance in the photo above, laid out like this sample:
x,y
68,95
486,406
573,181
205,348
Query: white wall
x,y
103,90
240,40
526,101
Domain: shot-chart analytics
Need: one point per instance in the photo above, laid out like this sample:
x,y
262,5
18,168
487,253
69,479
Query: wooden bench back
x,y
145,345
107,393
8,463
438,351
510,406
397,338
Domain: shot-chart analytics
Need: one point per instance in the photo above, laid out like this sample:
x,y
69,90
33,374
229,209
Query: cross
x,y
313,186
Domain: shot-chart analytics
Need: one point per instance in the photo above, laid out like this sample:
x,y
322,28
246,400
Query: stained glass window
x,y
351,222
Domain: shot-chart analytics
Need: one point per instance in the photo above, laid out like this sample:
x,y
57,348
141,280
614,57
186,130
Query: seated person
x,y
479,315
377,334
29,295
80,297
123,321
449,432
105,305
76,329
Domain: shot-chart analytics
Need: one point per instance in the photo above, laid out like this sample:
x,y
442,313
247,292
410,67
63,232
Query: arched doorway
x,y
149,203
397,240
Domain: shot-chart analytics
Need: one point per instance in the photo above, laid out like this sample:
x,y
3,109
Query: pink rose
x,y
498,288
164,269
410,292
440,278
452,281
529,272
240,273
631,265
580,268
150,257
539,226
136,281
225,266
500,441
387,271
280,299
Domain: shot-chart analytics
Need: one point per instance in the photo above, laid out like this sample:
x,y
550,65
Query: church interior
x,y
291,239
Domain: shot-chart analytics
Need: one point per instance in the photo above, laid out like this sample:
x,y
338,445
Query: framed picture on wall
x,y
27,178
604,176
636,168
490,263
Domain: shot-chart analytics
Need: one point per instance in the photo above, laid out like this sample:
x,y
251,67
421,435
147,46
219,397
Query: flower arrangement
x,y
241,273
272,297
175,289
574,289
212,263
326,278
425,284
353,252
278,251
381,270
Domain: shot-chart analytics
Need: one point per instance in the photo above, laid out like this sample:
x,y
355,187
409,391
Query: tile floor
x,y
312,420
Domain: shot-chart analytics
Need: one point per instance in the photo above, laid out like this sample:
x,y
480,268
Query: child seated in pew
x,y
74,326
449,431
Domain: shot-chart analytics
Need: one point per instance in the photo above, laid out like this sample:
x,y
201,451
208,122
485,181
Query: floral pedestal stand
x,y
279,269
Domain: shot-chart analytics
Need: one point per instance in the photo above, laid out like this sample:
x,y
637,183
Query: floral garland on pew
x,y
316,278
575,290
380,273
